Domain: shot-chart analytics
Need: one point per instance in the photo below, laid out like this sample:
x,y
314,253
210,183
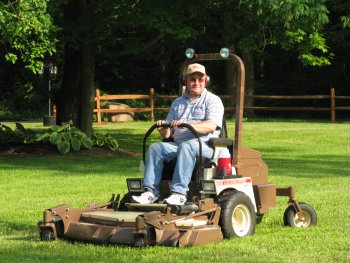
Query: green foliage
x,y
105,140
26,27
65,137
312,47
291,24
6,135
345,21
17,136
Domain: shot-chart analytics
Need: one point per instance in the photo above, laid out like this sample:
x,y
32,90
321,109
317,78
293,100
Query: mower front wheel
x,y
237,217
46,235
291,218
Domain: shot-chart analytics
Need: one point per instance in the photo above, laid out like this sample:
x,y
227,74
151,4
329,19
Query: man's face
x,y
195,84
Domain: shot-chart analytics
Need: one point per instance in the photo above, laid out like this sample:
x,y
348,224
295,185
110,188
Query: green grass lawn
x,y
312,156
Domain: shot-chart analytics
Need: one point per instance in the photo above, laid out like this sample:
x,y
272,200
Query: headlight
x,y
209,186
189,53
224,52
135,185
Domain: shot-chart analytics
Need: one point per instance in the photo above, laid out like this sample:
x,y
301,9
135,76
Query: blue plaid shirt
x,y
205,107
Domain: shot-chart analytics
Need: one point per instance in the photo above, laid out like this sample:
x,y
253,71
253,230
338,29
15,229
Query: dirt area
x,y
46,149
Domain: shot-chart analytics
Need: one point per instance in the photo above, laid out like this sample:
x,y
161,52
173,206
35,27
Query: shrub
x,y
64,137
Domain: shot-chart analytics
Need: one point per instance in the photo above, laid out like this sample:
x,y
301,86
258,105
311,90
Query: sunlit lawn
x,y
313,156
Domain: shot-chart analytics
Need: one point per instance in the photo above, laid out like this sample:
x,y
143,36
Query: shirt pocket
x,y
198,113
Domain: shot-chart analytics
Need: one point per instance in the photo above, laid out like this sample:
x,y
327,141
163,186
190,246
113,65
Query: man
x,y
204,112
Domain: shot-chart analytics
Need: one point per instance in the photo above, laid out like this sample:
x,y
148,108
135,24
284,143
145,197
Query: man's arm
x,y
202,127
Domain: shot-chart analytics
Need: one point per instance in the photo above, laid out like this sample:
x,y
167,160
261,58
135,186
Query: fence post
x,y
98,106
333,104
151,102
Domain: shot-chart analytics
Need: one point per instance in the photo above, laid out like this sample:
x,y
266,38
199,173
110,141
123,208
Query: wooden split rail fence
x,y
151,98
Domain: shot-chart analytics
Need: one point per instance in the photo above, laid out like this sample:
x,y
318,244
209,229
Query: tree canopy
x,y
129,44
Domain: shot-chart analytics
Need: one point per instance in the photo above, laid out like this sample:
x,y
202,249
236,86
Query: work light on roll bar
x,y
224,52
189,53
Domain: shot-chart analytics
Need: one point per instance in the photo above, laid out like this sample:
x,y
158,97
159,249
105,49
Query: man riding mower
x,y
224,196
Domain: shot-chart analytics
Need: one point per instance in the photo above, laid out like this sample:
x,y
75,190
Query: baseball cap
x,y
192,68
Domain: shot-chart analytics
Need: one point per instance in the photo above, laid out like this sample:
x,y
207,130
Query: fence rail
x,y
151,98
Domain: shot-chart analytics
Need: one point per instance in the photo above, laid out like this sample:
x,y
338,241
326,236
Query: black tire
x,y
291,219
259,219
46,235
175,242
139,242
237,217
126,199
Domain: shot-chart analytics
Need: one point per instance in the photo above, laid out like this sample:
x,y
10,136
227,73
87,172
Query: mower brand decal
x,y
231,182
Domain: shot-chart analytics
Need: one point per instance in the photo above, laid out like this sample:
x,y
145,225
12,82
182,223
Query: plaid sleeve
x,y
215,110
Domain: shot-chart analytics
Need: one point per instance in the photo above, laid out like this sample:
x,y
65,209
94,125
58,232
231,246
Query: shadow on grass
x,y
74,164
311,166
16,228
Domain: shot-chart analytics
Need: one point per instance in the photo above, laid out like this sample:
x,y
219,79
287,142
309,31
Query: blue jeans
x,y
186,154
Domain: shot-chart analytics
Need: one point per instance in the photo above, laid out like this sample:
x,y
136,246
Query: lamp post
x,y
52,71
50,120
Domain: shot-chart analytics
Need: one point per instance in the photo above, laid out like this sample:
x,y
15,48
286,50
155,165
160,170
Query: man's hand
x,y
165,132
175,123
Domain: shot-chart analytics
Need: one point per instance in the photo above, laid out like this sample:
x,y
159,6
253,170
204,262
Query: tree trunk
x,y
75,102
248,60
87,68
67,104
86,88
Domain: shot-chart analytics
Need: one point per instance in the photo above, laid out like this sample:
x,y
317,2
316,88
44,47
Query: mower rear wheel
x,y
46,235
290,217
237,217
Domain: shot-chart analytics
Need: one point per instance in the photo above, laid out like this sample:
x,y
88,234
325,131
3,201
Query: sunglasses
x,y
194,80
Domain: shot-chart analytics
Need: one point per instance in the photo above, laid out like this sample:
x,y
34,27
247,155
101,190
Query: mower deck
x,y
156,224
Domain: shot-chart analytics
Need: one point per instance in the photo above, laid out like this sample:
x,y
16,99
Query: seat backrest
x,y
223,133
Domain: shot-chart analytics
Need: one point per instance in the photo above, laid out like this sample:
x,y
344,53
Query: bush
x,y
64,137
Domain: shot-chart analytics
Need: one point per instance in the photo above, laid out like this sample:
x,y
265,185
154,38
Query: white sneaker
x,y
145,198
176,199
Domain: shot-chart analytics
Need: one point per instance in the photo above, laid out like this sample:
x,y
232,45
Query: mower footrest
x,y
190,222
115,216
146,207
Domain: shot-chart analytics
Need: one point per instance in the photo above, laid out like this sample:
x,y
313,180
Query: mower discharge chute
x,y
221,205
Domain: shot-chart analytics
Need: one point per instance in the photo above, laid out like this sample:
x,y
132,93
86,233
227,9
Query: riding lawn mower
x,y
221,204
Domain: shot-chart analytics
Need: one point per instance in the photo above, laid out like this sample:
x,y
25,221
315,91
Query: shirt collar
x,y
187,97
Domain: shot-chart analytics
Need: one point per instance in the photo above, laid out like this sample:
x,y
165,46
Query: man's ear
x,y
207,81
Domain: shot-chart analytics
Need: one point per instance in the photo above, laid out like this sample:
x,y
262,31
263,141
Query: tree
x,y
249,26
140,40
26,31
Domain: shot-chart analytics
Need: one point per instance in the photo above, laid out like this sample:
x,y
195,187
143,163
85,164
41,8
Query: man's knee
x,y
187,148
155,146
